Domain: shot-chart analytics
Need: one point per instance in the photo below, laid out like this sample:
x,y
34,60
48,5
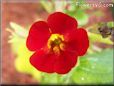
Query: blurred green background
x,y
96,67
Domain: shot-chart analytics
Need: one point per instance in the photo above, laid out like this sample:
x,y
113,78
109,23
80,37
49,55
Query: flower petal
x,y
77,41
49,62
61,23
65,62
43,61
38,35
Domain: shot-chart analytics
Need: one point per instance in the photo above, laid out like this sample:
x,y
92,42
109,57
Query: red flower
x,y
57,43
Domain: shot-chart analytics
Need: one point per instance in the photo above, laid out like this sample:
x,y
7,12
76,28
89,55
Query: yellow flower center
x,y
56,43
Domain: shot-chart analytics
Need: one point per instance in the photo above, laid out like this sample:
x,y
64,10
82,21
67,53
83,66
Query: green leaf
x,y
50,78
95,68
23,55
19,30
59,5
110,24
98,38
79,15
47,5
22,63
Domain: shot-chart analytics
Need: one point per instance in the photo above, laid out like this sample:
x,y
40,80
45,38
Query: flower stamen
x,y
56,50
55,43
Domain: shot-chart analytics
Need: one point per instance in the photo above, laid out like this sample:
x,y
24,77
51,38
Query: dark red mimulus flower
x,y
57,43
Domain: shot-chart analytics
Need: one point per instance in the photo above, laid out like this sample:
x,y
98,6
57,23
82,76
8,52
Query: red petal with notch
x,y
61,23
38,36
49,62
77,41
43,61
65,62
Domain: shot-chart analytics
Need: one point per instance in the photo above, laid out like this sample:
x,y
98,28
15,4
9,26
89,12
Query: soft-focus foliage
x,y
97,38
22,63
95,68
110,24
